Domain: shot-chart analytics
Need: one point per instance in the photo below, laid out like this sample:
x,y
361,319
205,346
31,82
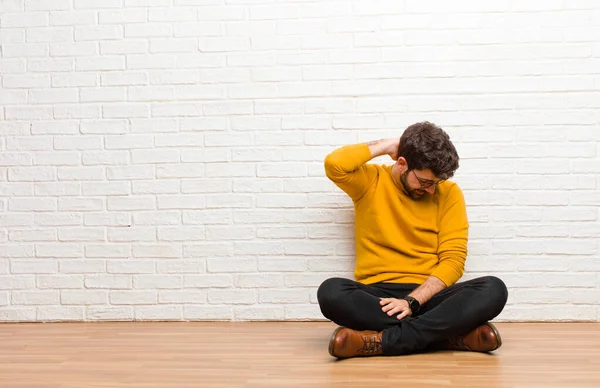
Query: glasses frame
x,y
426,183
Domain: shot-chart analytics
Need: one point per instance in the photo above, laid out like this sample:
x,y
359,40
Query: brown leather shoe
x,y
347,343
484,338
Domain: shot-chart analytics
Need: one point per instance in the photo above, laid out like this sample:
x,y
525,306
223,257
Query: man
x,y
411,246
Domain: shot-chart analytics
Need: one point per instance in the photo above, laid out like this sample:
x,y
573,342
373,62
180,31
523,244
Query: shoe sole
x,y
497,333
332,342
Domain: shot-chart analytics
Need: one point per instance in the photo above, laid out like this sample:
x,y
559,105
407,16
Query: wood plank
x,y
280,354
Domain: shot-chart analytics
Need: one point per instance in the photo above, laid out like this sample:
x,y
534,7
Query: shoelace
x,y
457,343
370,345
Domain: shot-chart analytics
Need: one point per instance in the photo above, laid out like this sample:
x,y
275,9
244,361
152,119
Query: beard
x,y
413,193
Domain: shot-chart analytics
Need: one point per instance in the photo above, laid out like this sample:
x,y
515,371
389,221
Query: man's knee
x,y
329,291
497,291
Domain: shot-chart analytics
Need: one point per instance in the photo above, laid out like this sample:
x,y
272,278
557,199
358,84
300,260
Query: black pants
x,y
454,311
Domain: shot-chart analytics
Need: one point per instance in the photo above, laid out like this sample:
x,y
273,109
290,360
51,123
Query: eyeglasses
x,y
426,183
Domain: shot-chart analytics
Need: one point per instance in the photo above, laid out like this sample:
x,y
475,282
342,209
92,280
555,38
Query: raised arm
x,y
347,168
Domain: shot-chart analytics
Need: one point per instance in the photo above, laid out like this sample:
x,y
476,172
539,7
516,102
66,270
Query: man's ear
x,y
402,164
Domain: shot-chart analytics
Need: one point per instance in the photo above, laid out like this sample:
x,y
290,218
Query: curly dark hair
x,y
425,145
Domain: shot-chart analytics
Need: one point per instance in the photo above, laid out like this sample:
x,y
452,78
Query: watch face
x,y
413,304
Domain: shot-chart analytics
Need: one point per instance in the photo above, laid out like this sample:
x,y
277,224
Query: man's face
x,y
417,183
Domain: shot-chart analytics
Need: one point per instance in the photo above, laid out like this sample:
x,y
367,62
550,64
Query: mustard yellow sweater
x,y
398,239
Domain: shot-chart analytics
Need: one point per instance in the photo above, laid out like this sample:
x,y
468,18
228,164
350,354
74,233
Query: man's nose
x,y
431,189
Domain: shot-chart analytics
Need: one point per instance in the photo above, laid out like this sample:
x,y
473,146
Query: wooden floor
x,y
276,354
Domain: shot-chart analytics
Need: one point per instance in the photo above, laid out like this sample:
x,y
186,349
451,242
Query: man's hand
x,y
393,306
384,147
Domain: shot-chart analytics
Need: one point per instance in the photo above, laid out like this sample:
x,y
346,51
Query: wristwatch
x,y
413,304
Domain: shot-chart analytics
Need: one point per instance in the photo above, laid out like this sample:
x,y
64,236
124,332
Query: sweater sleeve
x,y
347,168
452,238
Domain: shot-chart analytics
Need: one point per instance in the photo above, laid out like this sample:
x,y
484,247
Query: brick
x,y
77,111
160,313
32,235
109,281
282,232
153,125
122,16
180,171
132,234
13,97
231,296
105,157
229,201
176,110
94,4
259,313
28,113
109,313
99,63
124,46
17,315
182,296
128,141
256,185
108,251
107,219
98,33
158,282
76,49
22,50
57,158
148,30
129,172
181,267
29,298
28,19
124,267
81,234
54,128
155,187
59,281
231,265
49,34
72,18
133,297
80,204
80,297
12,220
179,14
182,233
32,204
274,295
15,159
59,313
281,170
203,92
207,217
82,266
81,173
124,78
171,45
207,281
157,218
74,80
207,313
306,280
157,251
282,264
125,110
181,202
232,170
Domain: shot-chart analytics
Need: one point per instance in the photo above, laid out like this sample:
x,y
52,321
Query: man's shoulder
x,y
448,190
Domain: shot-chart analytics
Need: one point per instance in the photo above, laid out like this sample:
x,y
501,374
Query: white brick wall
x,y
162,159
